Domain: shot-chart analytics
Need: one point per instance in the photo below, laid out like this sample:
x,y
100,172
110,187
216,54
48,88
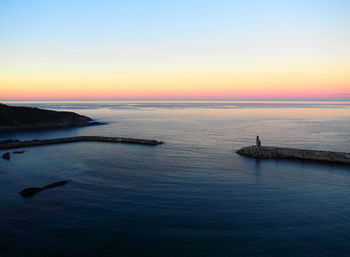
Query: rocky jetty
x,y
7,141
18,117
34,190
269,152
22,144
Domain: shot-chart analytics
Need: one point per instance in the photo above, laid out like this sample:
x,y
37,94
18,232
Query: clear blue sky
x,y
46,37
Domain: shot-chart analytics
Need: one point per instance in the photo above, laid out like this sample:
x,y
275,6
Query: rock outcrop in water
x,y
34,190
18,117
6,156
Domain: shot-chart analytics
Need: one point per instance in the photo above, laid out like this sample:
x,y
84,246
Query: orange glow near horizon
x,y
268,82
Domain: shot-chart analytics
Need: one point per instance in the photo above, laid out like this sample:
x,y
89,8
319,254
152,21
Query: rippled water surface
x,y
193,195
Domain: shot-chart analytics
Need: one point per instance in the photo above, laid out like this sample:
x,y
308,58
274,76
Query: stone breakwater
x,y
268,152
20,144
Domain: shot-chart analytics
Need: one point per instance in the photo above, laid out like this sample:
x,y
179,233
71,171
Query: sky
x,y
153,49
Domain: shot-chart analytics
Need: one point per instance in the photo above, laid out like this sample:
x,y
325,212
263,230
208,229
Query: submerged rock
x,y
56,184
30,191
34,190
6,156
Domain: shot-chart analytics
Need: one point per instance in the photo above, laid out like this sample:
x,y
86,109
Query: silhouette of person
x,y
258,142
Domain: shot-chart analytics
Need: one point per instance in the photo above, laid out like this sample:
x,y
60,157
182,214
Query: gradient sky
x,y
104,49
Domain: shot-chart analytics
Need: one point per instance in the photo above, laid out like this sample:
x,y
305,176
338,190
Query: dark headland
x,y
19,117
14,117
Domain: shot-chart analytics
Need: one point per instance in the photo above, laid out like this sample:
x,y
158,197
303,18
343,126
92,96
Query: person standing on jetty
x,y
258,142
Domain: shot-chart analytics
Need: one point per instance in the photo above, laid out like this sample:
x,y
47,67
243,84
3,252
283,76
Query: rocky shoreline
x,y
19,118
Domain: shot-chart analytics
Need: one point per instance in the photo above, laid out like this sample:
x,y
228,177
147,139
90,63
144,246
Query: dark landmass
x,y
18,117
269,152
33,190
21,144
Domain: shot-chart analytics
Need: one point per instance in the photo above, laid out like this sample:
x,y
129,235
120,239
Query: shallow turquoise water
x,y
192,196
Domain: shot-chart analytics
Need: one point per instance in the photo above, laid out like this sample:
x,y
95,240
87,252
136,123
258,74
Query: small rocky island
x,y
19,117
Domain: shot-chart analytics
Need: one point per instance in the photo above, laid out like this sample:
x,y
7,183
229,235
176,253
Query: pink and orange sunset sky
x,y
174,49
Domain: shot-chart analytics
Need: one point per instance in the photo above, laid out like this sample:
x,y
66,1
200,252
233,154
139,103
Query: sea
x,y
191,196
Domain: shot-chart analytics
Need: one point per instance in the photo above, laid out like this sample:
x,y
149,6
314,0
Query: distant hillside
x,y
17,117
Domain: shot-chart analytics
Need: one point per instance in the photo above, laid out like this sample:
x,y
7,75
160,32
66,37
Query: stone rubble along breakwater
x,y
269,152
21,144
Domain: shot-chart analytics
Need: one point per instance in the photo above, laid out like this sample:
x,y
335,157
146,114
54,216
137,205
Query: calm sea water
x,y
192,196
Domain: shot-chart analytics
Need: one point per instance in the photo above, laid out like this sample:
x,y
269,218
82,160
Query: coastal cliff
x,y
18,117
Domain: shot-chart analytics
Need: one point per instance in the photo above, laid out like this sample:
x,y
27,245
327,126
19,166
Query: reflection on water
x,y
192,196
179,104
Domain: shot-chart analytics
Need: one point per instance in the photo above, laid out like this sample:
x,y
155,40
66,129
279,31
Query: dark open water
x,y
192,196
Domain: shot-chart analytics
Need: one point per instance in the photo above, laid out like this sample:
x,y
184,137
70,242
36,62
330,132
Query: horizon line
x,y
180,99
